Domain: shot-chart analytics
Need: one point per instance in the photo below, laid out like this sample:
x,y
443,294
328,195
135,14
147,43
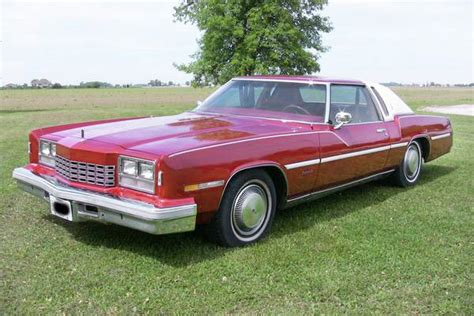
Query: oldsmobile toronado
x,y
256,145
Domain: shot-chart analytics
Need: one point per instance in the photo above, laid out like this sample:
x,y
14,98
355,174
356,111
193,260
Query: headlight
x,y
137,174
47,152
129,167
146,170
45,148
53,149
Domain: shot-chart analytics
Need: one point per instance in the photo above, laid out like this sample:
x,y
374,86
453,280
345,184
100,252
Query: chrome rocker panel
x,y
320,194
130,213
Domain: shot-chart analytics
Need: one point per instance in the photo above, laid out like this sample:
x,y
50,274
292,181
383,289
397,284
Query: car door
x,y
358,148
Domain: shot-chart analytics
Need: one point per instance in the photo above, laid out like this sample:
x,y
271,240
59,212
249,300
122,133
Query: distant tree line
x,y
159,83
46,84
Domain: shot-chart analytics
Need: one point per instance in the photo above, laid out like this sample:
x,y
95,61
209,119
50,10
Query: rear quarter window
x,y
381,101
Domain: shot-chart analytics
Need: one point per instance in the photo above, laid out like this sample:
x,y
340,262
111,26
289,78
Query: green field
x,y
371,249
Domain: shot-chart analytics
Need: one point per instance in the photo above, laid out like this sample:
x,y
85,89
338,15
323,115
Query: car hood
x,y
170,134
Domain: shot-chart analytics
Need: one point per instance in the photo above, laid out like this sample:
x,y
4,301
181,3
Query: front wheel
x,y
408,173
246,211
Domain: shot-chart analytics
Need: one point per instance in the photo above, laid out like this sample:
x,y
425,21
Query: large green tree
x,y
245,37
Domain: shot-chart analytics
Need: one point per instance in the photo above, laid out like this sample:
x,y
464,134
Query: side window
x,y
354,100
313,94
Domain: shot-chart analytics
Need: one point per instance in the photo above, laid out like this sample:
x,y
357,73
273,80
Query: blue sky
x,y
135,41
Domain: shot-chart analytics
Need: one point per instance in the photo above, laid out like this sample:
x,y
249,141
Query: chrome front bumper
x,y
87,205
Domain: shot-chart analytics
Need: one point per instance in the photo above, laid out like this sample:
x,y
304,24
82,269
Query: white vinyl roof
x,y
394,104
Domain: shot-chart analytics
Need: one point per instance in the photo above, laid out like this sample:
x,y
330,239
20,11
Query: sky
x,y
119,41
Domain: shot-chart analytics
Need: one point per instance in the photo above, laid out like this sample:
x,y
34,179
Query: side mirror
x,y
342,118
198,103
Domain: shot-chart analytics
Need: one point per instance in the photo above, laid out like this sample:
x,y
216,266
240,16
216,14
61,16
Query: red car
x,y
256,145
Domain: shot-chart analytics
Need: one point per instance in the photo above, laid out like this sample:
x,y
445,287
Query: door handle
x,y
382,130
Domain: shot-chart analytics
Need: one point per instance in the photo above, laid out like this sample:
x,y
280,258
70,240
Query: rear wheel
x,y
408,173
246,211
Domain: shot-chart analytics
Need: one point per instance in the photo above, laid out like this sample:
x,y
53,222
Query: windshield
x,y
272,99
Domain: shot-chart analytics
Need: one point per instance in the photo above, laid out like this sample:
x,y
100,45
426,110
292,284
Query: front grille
x,y
85,172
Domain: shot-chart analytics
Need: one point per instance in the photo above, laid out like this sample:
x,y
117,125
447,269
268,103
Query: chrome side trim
x,y
302,164
211,184
343,156
354,154
205,185
409,115
440,136
404,144
321,193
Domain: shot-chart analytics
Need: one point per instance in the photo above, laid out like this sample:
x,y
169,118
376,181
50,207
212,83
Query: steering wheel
x,y
293,108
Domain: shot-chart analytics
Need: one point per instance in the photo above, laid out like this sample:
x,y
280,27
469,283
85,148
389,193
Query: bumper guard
x,y
86,205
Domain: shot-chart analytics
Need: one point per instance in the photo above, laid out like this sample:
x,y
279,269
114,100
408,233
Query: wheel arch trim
x,y
426,138
243,168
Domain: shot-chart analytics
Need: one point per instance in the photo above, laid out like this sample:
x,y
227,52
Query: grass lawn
x,y
371,249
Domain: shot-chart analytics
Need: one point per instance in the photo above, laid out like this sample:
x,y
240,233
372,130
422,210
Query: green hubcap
x,y
250,209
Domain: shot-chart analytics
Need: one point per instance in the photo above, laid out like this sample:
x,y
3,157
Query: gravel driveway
x,y
461,109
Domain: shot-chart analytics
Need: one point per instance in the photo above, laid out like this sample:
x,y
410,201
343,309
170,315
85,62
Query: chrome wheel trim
x,y
412,162
251,210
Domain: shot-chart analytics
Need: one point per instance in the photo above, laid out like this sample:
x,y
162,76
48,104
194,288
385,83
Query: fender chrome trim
x,y
343,156
404,144
237,171
355,154
302,164
440,136
203,186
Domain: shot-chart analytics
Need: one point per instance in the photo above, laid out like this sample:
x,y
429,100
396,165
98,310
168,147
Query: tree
x,y
155,83
245,37
94,84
